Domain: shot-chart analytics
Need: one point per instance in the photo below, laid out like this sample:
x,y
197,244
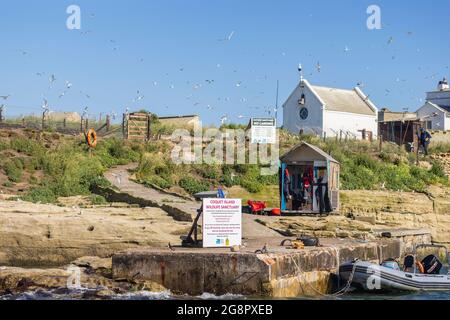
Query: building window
x,y
429,125
304,113
302,100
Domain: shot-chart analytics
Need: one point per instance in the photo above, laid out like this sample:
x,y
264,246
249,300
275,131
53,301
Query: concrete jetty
x,y
281,272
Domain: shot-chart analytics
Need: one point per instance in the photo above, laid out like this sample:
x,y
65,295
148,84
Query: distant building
x,y
399,127
329,111
386,115
67,116
436,111
181,121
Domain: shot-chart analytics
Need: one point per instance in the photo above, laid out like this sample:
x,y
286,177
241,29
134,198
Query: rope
x,y
340,292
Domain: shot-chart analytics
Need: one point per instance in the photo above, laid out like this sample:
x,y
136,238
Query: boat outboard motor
x,y
431,264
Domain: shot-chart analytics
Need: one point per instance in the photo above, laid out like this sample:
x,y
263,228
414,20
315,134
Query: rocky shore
x,y
95,280
42,245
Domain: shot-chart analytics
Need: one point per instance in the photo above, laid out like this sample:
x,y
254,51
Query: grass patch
x,y
193,186
14,170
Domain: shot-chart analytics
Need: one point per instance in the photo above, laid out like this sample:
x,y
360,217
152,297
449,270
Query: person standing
x,y
424,140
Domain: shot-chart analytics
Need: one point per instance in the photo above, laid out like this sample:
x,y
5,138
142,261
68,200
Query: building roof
x,y
386,115
316,152
441,108
351,101
178,117
446,108
68,116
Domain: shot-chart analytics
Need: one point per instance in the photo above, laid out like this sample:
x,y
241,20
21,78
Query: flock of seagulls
x,y
195,86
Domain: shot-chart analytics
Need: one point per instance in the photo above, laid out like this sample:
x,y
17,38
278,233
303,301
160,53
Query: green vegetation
x,y
156,168
193,186
364,166
440,147
68,167
14,170
97,200
56,166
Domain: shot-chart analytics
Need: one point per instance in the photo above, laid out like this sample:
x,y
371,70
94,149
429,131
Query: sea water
x,y
90,295
148,296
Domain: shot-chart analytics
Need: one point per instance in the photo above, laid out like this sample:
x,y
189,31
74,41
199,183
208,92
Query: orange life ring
x,y
92,138
420,267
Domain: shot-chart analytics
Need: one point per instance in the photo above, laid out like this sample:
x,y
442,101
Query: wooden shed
x,y
309,181
401,132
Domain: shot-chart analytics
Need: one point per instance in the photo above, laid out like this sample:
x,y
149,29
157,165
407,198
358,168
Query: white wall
x,y
349,122
439,122
291,113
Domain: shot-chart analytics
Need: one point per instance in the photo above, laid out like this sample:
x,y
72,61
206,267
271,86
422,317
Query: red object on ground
x,y
256,206
276,212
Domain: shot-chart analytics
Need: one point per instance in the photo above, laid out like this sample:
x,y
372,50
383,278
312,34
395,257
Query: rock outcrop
x,y
35,235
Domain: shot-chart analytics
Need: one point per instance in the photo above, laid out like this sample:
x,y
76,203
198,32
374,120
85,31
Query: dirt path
x,y
120,178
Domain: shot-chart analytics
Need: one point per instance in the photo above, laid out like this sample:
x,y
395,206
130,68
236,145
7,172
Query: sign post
x,y
263,130
222,223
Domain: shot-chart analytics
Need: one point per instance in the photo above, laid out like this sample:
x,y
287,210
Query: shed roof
x,y
310,153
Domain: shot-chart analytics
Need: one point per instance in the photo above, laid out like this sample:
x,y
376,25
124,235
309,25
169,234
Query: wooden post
x,y
64,123
417,151
324,137
123,126
340,135
363,134
108,123
43,121
380,138
81,125
1,114
87,124
149,120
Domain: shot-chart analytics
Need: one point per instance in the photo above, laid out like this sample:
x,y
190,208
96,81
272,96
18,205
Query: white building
x,y
329,111
436,111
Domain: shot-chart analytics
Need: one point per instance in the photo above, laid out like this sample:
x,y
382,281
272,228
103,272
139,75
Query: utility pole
x,y
276,103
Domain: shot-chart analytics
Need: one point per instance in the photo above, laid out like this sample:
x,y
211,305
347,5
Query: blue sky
x,y
169,49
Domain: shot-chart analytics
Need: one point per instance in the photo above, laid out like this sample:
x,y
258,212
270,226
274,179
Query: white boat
x,y
389,277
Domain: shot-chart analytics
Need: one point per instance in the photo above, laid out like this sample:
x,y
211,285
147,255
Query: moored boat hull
x,y
373,277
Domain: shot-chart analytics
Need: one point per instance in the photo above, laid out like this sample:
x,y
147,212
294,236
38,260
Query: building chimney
x,y
443,85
